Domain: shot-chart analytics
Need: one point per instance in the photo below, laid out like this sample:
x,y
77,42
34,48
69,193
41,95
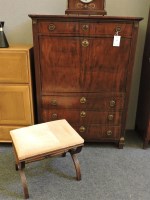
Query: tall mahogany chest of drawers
x,y
81,76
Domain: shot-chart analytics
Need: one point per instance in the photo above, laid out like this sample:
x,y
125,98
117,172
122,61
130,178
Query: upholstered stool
x,y
45,140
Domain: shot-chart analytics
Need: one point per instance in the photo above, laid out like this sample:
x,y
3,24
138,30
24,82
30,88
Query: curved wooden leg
x,y
77,166
24,182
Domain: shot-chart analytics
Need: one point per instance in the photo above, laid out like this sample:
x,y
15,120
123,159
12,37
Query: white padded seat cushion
x,y
44,138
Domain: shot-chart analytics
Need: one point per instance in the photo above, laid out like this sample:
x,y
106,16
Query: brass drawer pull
x,y
118,29
82,129
110,117
85,27
109,132
112,103
83,114
83,100
54,116
85,43
51,27
54,102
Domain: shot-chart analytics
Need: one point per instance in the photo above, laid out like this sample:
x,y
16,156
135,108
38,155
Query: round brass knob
x,y
92,5
83,114
110,117
51,27
112,103
82,129
85,27
54,116
85,43
118,29
109,132
53,102
83,100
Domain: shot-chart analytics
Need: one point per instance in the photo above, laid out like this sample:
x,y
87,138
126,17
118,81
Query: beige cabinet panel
x,y
15,105
14,67
16,99
4,132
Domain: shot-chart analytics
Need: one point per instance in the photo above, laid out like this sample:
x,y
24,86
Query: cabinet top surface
x,y
17,47
84,17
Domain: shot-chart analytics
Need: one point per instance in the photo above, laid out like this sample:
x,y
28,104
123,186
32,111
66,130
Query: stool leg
x,y
23,180
19,166
73,153
77,166
64,154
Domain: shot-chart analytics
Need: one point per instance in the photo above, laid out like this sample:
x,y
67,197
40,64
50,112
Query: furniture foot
x,y
145,144
121,143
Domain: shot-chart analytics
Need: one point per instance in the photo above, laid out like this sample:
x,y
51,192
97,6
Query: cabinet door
x,y
83,65
61,64
15,105
106,66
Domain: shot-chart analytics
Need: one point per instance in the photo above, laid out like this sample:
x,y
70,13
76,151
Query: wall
x,y
18,29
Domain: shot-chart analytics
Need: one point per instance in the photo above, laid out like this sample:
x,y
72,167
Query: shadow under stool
x,y
40,141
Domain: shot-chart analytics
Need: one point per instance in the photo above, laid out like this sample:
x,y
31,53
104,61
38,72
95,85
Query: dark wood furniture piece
x,y
86,7
81,76
142,124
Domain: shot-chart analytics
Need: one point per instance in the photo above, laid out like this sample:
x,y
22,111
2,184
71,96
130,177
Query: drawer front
x,y
123,29
52,27
82,116
13,67
98,132
97,101
86,28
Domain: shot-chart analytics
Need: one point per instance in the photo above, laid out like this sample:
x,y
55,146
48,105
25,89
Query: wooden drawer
x,y
82,116
13,67
123,29
97,132
52,27
96,101
86,28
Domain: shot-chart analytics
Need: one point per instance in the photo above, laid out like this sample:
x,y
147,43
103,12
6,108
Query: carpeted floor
x,y
108,173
